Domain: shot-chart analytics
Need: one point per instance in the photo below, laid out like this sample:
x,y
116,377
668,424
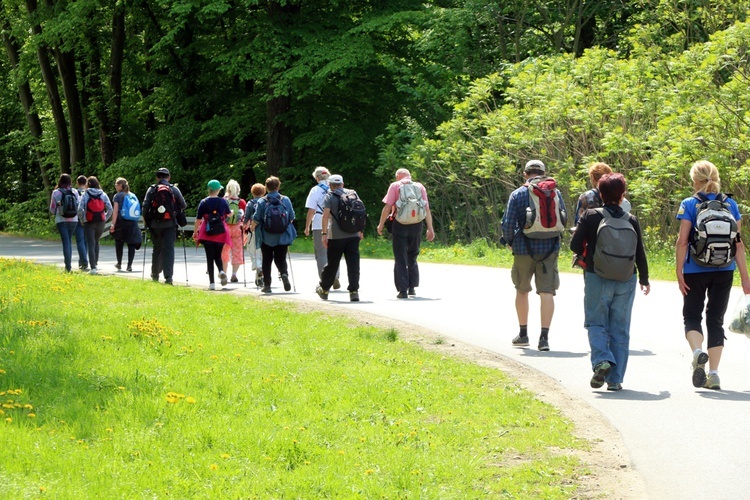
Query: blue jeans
x,y
83,259
607,305
67,230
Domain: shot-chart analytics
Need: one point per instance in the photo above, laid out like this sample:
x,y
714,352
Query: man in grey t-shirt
x,y
338,243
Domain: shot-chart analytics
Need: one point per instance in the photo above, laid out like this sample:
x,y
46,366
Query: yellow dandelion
x,y
42,489
108,429
369,471
9,420
2,371
213,466
121,388
225,456
31,415
341,452
27,406
2,412
190,399
307,462
214,356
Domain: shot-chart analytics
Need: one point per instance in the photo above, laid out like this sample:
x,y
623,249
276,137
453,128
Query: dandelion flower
x,y
213,466
190,399
2,371
341,452
9,420
225,456
32,415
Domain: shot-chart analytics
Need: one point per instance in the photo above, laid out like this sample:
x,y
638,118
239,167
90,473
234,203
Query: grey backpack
x,y
616,242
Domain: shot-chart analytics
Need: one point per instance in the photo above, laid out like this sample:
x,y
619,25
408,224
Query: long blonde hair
x,y
233,189
705,176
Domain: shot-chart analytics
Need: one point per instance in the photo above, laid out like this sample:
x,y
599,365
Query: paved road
x,y
685,442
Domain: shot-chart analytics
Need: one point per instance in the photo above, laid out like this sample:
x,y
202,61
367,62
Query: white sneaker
x,y
93,271
223,277
212,286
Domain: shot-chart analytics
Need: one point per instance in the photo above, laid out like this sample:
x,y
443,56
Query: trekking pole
x,y
145,246
184,254
291,271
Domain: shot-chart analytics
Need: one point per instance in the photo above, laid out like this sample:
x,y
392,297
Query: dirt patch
x,y
611,472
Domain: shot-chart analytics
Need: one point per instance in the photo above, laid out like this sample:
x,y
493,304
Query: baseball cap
x,y
213,185
163,171
336,179
535,165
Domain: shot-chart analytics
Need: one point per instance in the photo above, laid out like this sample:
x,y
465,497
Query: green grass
x,y
119,388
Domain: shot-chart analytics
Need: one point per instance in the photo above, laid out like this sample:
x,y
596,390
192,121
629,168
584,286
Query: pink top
x,y
391,197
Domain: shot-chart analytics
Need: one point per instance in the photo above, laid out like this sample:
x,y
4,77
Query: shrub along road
x,y
684,442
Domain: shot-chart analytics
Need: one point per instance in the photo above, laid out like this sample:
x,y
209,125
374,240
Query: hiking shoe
x,y
266,289
354,296
168,281
543,344
600,373
614,386
223,277
83,267
521,340
94,271
129,269
118,266
323,294
155,277
713,382
234,279
285,280
700,359
212,286
402,295
336,284
411,291
258,278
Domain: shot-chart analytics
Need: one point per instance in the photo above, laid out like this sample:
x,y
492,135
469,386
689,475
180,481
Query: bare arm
x,y
308,220
115,214
681,249
387,209
326,219
430,229
740,260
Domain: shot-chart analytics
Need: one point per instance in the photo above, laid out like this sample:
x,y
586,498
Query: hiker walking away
x,y
592,199
344,219
161,205
94,210
615,249
234,253
212,230
124,229
532,225
272,225
258,190
83,254
407,201
707,252
64,206
313,222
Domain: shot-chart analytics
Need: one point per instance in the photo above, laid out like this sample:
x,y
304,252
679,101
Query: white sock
x,y
713,372
697,351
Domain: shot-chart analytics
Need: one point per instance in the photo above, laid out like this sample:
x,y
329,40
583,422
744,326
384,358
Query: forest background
x,y
462,92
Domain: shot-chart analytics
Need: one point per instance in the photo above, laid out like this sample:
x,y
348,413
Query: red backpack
x,y
95,208
545,217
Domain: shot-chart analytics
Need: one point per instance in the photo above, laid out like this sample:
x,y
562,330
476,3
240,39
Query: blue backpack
x,y
276,217
131,207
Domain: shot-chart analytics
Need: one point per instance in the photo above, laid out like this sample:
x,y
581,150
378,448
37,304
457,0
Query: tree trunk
x,y
27,101
66,66
115,79
53,93
279,135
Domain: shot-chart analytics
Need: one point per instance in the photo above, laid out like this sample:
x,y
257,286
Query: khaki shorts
x,y
524,267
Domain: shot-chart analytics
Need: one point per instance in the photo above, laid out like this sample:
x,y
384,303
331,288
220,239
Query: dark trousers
x,y
119,245
273,255
162,258
93,231
406,241
349,248
717,286
83,255
213,256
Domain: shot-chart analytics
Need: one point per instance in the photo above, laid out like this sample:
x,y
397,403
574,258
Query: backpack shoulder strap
x,y
700,197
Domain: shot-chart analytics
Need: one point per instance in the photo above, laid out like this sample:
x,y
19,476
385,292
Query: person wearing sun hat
x,y
162,223
212,230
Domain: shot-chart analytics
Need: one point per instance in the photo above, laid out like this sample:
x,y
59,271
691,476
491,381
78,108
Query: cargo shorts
x,y
527,266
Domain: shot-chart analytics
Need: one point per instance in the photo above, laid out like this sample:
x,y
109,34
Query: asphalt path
x,y
685,442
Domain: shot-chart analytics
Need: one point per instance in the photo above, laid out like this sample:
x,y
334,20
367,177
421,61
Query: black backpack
x,y
162,203
214,224
68,205
276,217
351,214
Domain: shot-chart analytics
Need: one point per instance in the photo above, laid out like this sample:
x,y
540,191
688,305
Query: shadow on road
x,y
642,352
553,354
629,395
726,395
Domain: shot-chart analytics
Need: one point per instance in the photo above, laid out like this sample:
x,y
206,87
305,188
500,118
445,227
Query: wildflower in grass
x,y
190,399
225,456
121,388
369,471
213,466
108,429
2,372
341,452
9,420
42,489
31,415
2,413
28,407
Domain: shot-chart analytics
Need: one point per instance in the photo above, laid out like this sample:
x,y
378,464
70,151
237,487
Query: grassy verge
x,y
118,388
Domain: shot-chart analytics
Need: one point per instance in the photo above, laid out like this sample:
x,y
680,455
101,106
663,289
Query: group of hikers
x,y
608,244
606,239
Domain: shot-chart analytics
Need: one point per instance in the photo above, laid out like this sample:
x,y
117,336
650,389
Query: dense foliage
x,y
461,91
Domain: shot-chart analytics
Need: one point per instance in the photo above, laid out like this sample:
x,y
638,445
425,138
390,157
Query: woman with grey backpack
x,y
614,250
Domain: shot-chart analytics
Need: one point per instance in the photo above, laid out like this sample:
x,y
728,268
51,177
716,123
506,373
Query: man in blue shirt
x,y
532,257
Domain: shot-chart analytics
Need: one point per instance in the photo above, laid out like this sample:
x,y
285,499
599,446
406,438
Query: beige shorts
x,y
525,266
